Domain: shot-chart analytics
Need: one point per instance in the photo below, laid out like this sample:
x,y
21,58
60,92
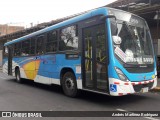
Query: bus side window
x,y
69,38
51,44
39,45
17,49
25,46
32,46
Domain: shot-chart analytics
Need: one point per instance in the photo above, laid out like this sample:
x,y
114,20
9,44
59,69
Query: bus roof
x,y
99,11
83,16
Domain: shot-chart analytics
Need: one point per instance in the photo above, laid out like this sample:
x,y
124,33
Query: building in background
x,y
7,29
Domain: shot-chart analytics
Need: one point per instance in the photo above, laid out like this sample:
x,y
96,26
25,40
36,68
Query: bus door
x,y
10,60
94,58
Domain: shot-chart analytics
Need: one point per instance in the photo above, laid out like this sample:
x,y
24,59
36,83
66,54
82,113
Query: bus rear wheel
x,y
18,76
69,84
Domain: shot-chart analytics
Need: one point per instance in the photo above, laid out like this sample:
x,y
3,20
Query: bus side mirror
x,y
108,16
113,19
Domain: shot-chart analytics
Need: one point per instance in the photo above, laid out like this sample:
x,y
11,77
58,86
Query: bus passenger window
x,y
25,46
32,46
17,49
51,44
69,39
39,44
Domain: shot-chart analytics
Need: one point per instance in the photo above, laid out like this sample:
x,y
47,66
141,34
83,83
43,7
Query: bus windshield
x,y
134,44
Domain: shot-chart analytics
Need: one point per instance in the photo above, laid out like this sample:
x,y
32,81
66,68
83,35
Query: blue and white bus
x,y
105,50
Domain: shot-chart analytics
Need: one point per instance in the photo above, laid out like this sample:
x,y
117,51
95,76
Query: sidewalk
x,y
158,86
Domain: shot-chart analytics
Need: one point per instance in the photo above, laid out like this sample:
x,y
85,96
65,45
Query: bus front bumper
x,y
119,88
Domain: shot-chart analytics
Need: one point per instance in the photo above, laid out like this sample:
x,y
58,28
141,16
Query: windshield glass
x,y
132,44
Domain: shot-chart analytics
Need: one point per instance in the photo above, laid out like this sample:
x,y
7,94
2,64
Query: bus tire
x,y
18,76
69,84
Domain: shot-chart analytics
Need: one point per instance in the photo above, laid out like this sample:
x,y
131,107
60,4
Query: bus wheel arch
x,y
68,82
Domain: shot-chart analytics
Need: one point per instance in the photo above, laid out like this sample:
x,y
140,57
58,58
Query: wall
x,y
6,29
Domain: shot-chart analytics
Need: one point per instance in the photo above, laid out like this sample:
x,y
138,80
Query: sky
x,y
25,12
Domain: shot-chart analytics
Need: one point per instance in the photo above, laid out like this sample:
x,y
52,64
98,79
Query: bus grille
x,y
138,88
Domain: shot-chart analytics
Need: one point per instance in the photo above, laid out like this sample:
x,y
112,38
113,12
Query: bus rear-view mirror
x,y
113,20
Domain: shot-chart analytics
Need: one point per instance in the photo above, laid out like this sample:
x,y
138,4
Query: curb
x,y
156,89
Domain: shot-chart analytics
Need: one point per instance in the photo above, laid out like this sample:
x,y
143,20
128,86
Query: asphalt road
x,y
31,96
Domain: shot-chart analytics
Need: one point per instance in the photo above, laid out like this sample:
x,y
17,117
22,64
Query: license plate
x,y
145,89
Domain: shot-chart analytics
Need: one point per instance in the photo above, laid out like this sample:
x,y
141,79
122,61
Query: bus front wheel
x,y
18,76
69,84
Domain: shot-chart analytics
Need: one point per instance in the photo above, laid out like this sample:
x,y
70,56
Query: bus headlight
x,y
121,75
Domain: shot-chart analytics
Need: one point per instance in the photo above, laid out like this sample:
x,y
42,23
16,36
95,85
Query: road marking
x,y
121,110
150,118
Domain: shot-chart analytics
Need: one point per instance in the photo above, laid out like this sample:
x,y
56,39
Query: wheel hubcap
x,y
69,83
